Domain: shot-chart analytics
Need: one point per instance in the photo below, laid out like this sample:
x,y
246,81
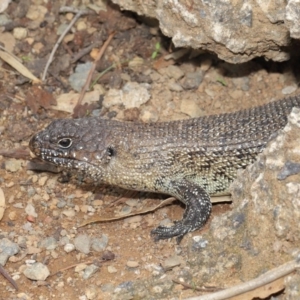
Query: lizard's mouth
x,y
65,160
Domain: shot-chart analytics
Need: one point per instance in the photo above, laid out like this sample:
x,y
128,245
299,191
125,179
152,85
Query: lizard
x,y
189,159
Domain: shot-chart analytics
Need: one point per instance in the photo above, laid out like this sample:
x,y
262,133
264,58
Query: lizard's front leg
x,y
198,208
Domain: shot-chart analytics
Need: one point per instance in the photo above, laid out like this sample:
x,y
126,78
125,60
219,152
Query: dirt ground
x,y
42,215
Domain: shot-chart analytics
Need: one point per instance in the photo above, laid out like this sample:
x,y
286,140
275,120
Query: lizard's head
x,y
74,144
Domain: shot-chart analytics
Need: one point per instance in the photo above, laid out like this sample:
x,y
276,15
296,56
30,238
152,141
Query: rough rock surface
x,y
236,31
262,230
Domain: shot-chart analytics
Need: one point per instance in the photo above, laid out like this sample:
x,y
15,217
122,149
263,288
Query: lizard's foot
x,y
198,208
178,231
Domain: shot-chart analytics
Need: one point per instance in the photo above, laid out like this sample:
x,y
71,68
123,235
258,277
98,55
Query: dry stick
x,y
253,284
189,286
88,80
77,16
7,276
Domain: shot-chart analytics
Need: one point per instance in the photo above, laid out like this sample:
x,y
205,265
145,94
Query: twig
x,y
77,16
188,286
85,51
253,284
89,78
7,276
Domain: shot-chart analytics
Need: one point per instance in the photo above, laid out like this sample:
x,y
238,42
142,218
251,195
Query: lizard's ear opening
x,y
65,143
111,151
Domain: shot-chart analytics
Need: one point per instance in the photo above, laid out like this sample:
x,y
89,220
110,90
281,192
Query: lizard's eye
x,y
65,143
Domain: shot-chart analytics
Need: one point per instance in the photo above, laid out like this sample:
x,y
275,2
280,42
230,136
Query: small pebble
x,y
37,271
192,80
111,269
83,243
20,33
13,165
80,268
69,248
99,244
7,249
89,271
132,264
70,213
174,72
289,89
43,180
171,262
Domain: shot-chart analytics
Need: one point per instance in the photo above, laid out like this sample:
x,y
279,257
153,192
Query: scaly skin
x,y
189,159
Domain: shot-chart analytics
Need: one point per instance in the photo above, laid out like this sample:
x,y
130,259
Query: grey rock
x,y
7,249
61,203
241,83
89,271
192,80
78,78
48,243
231,29
37,271
99,244
199,243
171,262
289,168
131,95
83,243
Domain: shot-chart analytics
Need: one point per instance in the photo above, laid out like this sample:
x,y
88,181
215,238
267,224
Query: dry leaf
x,y
13,62
37,97
262,292
2,203
67,102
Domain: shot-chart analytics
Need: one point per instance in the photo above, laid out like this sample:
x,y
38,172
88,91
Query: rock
x,y
191,108
199,242
48,243
69,247
89,271
132,264
83,243
13,165
231,29
78,78
99,244
261,229
30,210
131,95
192,80
70,213
37,271
241,83
111,269
174,72
20,33
289,89
92,292
175,87
171,262
7,249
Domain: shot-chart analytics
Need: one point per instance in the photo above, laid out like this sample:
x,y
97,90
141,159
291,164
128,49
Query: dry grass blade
x,y
13,62
97,219
163,203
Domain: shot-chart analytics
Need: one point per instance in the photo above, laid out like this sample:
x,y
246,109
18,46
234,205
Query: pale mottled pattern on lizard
x,y
189,159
